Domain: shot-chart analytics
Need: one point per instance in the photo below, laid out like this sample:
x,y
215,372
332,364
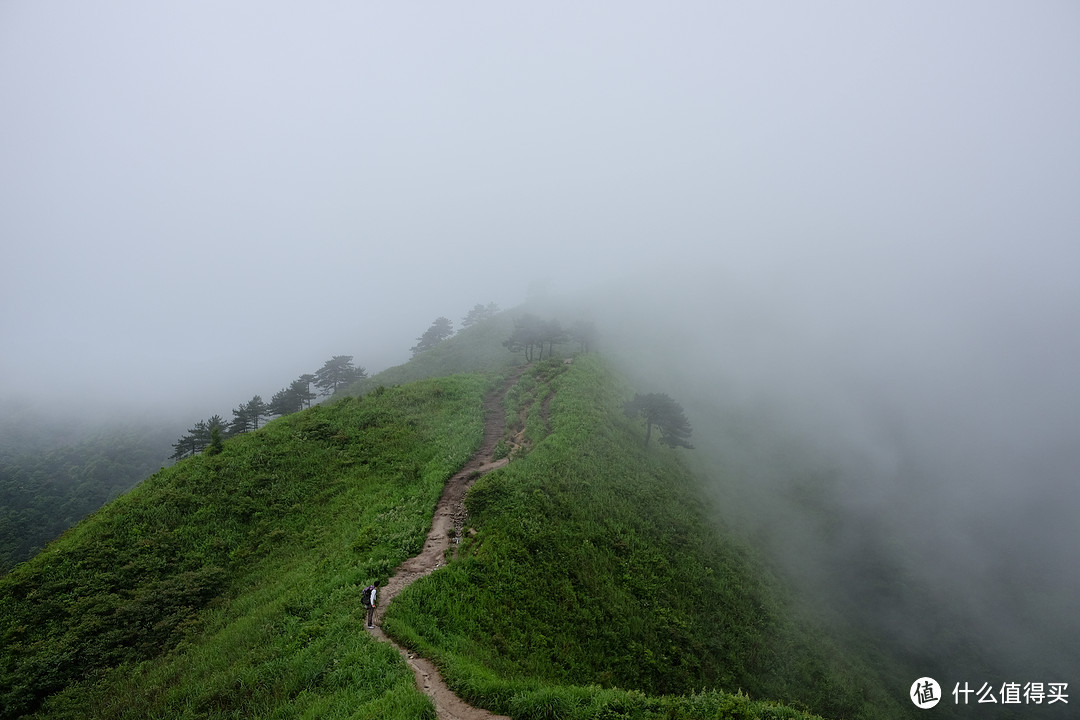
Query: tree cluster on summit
x,y
443,328
531,334
479,313
337,372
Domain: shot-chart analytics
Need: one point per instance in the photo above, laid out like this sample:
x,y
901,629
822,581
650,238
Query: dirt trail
x,y
449,513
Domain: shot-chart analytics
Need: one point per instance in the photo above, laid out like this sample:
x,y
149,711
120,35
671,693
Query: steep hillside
x,y
587,562
229,583
588,582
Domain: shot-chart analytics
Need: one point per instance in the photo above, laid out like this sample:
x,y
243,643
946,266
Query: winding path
x,y
449,513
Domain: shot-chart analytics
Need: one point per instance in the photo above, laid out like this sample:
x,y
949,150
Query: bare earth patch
x,y
449,515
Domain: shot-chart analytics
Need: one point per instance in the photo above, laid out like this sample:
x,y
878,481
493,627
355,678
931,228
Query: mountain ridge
x,y
229,583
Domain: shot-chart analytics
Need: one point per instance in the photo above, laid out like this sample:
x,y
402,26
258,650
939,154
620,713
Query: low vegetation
x,y
590,569
44,493
588,583
229,584
476,348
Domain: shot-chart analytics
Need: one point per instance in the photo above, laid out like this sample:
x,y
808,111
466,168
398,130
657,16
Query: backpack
x,y
365,596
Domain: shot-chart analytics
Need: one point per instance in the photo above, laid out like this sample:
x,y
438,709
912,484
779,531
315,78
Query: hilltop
x,y
588,580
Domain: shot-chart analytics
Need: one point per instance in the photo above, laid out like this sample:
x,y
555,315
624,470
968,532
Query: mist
x,y
843,236
908,459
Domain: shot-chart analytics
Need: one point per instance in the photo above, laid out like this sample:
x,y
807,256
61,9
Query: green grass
x,y
593,568
592,585
477,348
229,585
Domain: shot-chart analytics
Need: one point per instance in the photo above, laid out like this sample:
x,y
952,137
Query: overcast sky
x,y
200,201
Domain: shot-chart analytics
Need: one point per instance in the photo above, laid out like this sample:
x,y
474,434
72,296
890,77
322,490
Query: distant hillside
x,y
45,489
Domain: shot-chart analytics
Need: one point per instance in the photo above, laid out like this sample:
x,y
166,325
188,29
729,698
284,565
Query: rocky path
x,y
449,514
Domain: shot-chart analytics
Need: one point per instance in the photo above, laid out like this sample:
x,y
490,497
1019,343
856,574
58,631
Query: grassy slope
x,y
592,565
477,348
230,584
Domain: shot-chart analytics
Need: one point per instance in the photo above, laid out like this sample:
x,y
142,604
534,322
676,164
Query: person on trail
x,y
368,598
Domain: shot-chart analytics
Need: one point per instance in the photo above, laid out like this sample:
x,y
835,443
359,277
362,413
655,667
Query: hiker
x,y
368,598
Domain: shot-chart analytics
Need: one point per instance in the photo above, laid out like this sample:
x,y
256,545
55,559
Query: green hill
x,y
46,490
474,349
588,583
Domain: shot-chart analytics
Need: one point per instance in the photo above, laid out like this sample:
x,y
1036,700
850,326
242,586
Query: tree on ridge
x,y
528,330
479,313
531,334
666,414
441,329
248,416
294,398
337,372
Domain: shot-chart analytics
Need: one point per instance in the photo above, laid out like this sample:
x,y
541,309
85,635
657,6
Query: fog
x,y
853,227
910,460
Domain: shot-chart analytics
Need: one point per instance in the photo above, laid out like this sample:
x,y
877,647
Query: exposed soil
x,y
449,515
545,412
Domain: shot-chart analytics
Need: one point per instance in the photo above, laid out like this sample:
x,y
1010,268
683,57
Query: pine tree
x,y
528,331
249,416
660,410
301,386
337,372
441,329
479,313
284,402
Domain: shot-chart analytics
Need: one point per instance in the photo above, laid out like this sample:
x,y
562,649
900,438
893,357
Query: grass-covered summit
x,y
588,582
588,563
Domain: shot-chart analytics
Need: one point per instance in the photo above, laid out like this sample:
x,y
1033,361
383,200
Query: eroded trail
x,y
449,512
